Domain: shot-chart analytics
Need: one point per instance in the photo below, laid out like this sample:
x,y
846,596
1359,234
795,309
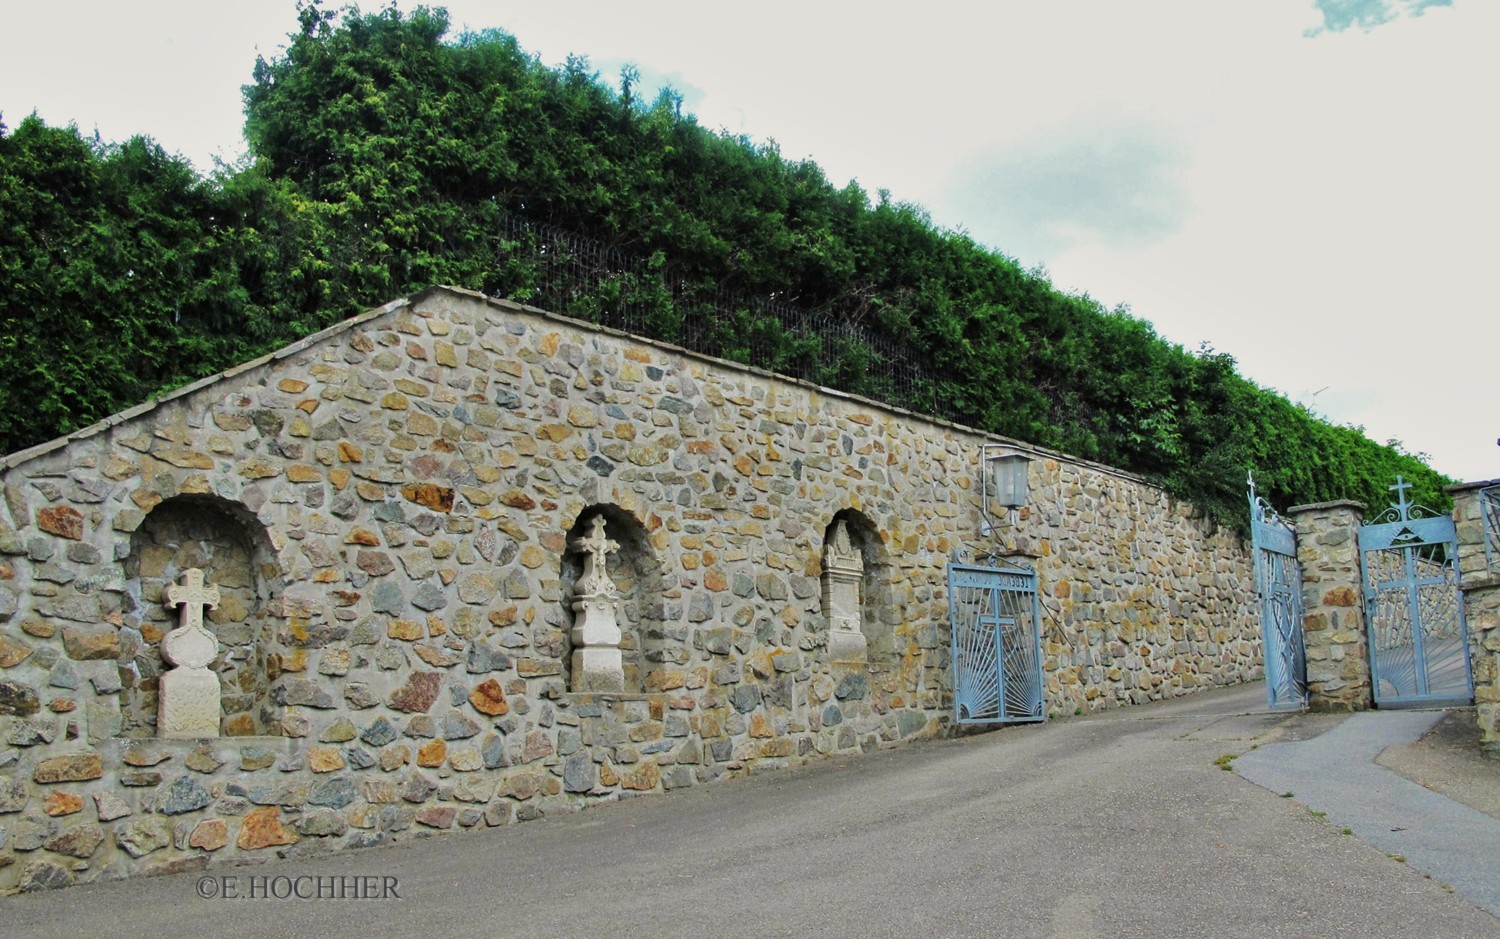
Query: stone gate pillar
x,y
1333,614
1479,579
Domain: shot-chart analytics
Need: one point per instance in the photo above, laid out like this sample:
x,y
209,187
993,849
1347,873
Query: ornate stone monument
x,y
597,664
843,570
188,695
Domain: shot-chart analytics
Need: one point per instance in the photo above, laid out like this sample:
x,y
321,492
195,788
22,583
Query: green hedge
x,y
387,157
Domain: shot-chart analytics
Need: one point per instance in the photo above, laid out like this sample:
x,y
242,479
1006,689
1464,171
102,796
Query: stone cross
x,y
597,548
190,597
187,697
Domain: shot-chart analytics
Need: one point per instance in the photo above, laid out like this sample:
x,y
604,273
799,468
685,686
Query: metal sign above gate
x,y
1419,645
1278,581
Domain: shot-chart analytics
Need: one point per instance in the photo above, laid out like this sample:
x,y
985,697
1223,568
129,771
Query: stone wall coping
x,y
31,453
1480,484
1335,504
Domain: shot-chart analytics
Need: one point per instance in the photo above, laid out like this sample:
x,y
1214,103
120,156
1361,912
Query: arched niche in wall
x,y
231,547
857,606
646,644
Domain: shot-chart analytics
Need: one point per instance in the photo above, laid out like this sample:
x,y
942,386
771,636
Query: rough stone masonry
x,y
386,510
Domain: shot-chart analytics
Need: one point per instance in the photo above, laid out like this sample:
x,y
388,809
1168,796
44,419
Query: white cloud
x,y
1098,178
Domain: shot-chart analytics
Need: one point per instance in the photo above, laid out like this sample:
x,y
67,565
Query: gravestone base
x,y
848,646
188,704
597,662
598,669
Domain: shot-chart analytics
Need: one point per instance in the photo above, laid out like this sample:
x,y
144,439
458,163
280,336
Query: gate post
x,y
1333,614
1476,514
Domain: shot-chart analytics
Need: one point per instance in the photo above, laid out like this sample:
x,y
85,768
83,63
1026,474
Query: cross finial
x,y
1403,505
190,597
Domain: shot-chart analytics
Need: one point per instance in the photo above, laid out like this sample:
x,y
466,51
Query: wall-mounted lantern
x,y
1008,474
1003,479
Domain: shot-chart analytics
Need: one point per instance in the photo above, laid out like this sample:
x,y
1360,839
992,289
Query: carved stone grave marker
x,y
188,695
843,570
597,663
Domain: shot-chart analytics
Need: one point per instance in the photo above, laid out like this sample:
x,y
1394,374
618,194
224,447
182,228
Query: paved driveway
x,y
1113,825
1336,774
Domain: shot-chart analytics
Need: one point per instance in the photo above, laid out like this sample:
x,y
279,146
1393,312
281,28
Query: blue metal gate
x,y
997,645
1419,644
1278,581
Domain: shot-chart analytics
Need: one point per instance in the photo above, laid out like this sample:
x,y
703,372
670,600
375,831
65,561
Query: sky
x,y
1307,185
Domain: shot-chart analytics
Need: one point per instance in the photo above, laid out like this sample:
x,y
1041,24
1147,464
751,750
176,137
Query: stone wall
x,y
388,507
1479,579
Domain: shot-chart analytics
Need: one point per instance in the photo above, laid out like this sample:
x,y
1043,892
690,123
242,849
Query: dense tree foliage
x,y
387,157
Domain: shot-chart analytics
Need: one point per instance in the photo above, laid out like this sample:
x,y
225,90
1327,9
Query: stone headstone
x,y
188,695
843,570
597,663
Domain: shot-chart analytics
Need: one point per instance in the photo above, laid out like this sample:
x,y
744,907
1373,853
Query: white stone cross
x,y
597,548
190,597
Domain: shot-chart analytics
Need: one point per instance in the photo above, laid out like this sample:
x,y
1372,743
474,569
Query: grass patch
x,y
1225,762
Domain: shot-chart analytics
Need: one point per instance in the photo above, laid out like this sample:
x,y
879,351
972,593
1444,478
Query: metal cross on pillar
x,y
1403,504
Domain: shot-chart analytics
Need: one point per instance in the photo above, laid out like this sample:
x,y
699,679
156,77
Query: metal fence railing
x,y
568,273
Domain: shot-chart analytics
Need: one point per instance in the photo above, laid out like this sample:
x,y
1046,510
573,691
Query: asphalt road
x,y
1114,825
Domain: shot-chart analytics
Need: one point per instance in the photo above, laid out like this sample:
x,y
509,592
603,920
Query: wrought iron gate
x,y
997,648
1278,581
1419,645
